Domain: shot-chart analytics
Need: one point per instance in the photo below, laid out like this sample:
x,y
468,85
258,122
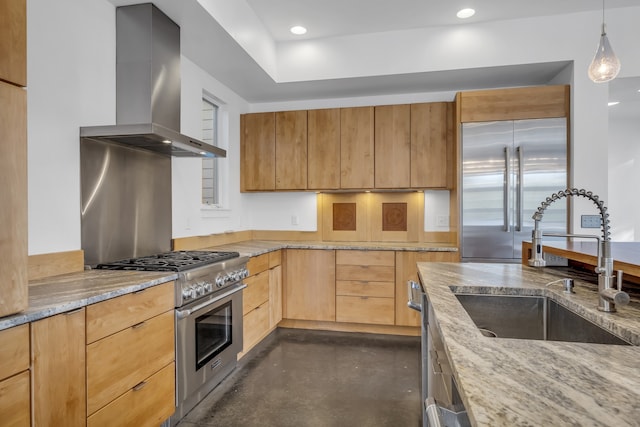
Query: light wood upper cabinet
x,y
309,285
58,369
13,42
258,152
291,150
13,196
356,148
432,145
323,162
392,146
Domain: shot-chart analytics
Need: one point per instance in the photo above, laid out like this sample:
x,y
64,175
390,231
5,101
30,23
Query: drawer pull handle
x,y
138,325
139,386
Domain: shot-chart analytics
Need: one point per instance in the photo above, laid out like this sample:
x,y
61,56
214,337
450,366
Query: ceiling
x,y
211,47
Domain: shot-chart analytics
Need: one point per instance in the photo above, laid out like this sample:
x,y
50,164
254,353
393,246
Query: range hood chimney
x,y
148,87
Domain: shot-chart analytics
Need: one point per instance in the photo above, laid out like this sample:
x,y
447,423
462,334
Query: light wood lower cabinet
x,y
309,288
58,370
365,287
131,362
15,409
262,299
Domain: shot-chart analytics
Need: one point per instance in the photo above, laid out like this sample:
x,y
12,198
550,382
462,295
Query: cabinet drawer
x,y
372,273
365,258
359,288
275,258
14,401
148,403
365,310
120,361
14,351
258,264
108,317
256,292
254,325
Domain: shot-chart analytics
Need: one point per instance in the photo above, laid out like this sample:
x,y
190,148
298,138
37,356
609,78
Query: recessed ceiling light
x,y
465,13
298,30
612,103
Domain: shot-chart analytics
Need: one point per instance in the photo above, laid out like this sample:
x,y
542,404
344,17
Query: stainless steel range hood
x,y
148,87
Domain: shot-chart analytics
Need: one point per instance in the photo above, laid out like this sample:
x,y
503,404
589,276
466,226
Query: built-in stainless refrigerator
x,y
508,169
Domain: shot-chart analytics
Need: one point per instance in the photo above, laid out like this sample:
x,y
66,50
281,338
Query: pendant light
x,y
605,66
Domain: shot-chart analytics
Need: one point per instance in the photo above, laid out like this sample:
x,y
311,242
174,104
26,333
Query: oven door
x,y
208,340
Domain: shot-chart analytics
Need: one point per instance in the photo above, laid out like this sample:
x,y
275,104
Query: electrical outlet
x,y
294,219
590,221
442,221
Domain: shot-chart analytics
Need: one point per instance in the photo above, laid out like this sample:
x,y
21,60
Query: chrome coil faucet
x,y
609,295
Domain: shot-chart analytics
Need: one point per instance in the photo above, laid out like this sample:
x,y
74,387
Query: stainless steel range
x,y
208,301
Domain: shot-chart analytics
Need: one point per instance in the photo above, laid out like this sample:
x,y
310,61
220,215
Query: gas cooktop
x,y
169,261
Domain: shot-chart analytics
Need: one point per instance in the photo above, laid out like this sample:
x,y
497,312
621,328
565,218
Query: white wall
x,y
71,83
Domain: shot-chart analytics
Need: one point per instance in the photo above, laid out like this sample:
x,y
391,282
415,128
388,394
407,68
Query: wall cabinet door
x,y
13,41
310,285
58,369
393,146
291,150
323,161
356,148
13,196
432,145
257,152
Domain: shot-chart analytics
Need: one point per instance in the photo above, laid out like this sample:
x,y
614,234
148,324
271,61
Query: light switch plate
x,y
590,221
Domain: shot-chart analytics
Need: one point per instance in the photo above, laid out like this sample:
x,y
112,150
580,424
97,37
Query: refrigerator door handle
x,y
520,187
507,186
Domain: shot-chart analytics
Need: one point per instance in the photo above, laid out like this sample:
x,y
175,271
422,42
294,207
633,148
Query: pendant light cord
x,y
604,33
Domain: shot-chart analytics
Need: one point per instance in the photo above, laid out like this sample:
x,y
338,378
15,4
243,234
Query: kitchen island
x,y
520,382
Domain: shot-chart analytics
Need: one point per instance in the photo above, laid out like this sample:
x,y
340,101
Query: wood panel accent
x,y
309,287
330,233
200,242
432,143
13,42
291,150
58,370
414,202
323,143
513,104
394,216
258,264
15,409
406,269
257,152
111,316
350,327
147,404
295,236
14,350
120,361
55,263
356,148
371,310
344,217
256,292
393,146
13,192
275,296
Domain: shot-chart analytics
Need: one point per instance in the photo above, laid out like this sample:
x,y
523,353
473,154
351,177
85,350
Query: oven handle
x,y
181,314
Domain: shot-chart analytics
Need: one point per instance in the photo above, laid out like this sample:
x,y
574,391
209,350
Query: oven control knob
x,y
244,273
219,281
199,289
208,287
187,293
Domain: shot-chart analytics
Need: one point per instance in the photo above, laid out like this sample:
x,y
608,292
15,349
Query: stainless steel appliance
x,y
208,300
443,405
507,168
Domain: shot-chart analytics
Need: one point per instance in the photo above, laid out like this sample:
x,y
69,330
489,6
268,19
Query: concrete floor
x,y
319,379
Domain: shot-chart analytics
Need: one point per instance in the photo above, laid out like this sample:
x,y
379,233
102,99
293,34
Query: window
x,y
210,173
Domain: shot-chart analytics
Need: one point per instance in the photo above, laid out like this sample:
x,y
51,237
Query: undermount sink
x,y
532,317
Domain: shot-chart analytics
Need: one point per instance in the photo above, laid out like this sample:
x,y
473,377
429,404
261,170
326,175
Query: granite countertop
x,y
519,382
59,294
259,247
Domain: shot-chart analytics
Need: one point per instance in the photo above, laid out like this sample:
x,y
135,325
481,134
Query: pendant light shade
x,y
605,65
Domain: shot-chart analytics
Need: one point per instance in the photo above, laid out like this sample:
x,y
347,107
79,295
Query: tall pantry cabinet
x,y
13,157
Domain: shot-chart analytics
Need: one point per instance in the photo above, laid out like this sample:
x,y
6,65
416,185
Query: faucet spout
x,y
609,296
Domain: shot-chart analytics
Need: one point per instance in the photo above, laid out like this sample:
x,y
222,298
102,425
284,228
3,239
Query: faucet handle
x,y
619,280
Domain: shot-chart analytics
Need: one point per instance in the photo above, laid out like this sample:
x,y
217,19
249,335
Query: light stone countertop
x,y
259,247
59,294
519,382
